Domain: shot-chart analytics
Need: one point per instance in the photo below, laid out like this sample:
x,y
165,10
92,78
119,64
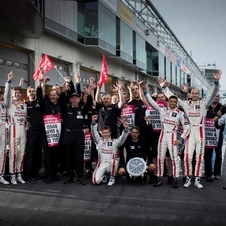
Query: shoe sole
x,y
4,183
199,188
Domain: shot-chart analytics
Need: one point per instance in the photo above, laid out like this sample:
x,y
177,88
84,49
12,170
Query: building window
x,y
24,66
161,65
174,69
9,63
2,61
17,65
125,43
168,70
152,60
139,49
106,26
91,19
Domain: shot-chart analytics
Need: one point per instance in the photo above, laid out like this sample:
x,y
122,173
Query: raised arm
x,y
165,88
95,134
130,91
43,86
121,140
8,87
21,83
93,84
120,94
78,82
90,102
39,93
142,89
148,98
97,96
214,89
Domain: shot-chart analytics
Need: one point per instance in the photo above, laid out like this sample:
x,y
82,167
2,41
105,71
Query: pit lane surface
x,y
58,204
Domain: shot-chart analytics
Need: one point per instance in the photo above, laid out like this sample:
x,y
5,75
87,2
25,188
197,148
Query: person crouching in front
x,y
107,149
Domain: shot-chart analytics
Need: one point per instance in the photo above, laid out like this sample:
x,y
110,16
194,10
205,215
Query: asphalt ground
x,y
123,204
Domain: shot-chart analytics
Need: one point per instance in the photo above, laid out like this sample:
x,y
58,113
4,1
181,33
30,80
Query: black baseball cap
x,y
74,95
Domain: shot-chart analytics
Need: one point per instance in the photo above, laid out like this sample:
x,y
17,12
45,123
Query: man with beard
x,y
108,112
33,155
139,107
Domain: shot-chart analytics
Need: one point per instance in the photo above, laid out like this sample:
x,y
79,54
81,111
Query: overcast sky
x,y
200,25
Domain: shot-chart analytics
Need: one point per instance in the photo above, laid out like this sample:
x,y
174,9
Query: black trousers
x,y
33,156
74,147
218,160
62,154
208,161
50,160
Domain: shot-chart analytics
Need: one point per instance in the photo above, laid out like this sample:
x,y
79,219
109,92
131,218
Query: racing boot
x,y
187,183
2,180
197,183
20,179
111,181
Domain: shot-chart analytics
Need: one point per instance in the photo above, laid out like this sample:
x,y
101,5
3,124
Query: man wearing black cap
x,y
75,124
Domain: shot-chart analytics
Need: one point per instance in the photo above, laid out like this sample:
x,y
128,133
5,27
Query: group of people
x,y
158,131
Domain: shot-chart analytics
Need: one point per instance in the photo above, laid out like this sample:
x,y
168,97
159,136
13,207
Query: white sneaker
x,y
105,179
20,179
197,183
3,181
13,179
111,181
187,183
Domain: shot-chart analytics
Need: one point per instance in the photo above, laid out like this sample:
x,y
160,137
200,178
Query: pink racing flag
x,y
104,72
44,66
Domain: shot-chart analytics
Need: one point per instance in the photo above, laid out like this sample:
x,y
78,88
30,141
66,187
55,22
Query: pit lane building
x,y
136,40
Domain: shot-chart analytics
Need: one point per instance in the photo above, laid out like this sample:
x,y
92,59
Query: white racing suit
x,y
2,137
170,120
196,113
16,114
107,150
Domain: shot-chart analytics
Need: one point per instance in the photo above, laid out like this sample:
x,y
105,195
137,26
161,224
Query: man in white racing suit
x,y
16,114
170,118
2,138
107,149
196,111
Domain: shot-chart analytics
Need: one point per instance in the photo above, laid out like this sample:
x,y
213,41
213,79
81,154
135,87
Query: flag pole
x,y
59,72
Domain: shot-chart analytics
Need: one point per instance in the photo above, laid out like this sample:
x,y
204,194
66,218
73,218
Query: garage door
x,y
15,61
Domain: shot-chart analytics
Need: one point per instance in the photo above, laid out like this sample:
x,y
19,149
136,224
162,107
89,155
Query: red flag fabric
x,y
44,66
104,72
